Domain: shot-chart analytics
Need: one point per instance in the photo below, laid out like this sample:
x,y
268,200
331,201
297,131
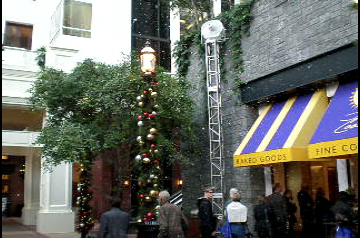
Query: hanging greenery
x,y
237,23
94,109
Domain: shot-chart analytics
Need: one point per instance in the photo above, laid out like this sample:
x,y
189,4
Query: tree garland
x,y
84,196
149,158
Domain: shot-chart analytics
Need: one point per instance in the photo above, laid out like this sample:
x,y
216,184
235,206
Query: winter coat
x,y
261,214
206,216
172,221
114,224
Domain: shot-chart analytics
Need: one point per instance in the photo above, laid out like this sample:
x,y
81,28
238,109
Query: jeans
x,y
238,230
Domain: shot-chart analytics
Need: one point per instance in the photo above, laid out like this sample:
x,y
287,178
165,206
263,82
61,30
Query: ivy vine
x,y
237,22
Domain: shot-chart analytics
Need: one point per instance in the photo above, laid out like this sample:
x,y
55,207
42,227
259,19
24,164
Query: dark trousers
x,y
263,234
206,234
308,230
279,230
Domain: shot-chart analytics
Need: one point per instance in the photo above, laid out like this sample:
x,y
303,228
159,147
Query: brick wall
x,y
286,32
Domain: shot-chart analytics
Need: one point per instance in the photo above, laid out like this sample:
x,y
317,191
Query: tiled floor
x,y
12,228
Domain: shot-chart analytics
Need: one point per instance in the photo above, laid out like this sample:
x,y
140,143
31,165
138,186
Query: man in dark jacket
x,y
114,223
206,216
306,205
261,214
278,213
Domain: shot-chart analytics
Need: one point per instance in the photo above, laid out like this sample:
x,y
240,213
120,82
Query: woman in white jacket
x,y
237,214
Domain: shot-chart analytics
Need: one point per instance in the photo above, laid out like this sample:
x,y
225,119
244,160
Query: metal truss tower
x,y
212,31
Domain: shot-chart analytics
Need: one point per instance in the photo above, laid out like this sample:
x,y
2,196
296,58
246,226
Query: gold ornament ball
x,y
147,199
156,151
141,143
141,104
154,193
150,137
153,131
154,94
146,160
156,185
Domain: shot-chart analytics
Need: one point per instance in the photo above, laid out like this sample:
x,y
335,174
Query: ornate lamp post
x,y
149,156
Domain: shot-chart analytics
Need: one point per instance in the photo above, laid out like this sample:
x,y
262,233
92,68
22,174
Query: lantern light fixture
x,y
148,60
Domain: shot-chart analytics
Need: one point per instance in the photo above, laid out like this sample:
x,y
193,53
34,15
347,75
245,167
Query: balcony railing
x,y
20,138
19,58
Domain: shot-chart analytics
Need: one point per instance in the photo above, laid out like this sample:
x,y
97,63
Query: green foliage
x,y
237,23
93,109
40,58
182,50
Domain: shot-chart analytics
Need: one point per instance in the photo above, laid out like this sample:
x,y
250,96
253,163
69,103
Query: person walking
x,y
237,214
345,216
291,210
306,205
261,214
172,220
278,213
207,219
114,223
322,212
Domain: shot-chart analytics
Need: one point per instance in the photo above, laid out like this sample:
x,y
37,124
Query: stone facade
x,y
286,32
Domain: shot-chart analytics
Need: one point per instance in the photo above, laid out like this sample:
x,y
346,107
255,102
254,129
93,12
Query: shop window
x,y
77,18
18,35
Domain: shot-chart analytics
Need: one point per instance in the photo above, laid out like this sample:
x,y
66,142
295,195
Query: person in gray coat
x,y
114,223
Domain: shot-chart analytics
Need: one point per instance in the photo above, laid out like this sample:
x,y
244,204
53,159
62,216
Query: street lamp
x,y
148,60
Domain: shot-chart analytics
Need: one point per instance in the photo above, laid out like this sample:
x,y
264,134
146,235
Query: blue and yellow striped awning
x,y
282,132
337,134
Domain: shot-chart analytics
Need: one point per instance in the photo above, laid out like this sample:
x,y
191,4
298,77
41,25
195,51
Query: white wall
x,y
111,27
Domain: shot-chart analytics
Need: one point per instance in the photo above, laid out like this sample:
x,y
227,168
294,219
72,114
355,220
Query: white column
x,y
31,188
174,35
342,171
216,7
268,183
55,214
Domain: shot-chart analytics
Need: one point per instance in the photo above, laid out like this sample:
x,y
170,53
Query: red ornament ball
x,y
150,215
151,116
146,92
153,146
145,155
141,195
146,114
140,117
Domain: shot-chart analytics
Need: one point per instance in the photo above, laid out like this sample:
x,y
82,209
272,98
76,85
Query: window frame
x,y
19,24
57,21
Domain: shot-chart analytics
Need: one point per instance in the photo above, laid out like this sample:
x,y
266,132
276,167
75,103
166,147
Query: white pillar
x,y
268,183
174,35
342,171
55,214
31,188
216,7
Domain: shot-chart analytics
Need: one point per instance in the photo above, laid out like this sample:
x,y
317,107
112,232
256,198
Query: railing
x,y
176,198
18,57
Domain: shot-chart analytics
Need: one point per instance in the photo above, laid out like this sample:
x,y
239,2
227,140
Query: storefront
x,y
336,138
286,140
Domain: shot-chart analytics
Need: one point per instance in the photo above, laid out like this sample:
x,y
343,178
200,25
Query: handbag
x,y
226,230
342,232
